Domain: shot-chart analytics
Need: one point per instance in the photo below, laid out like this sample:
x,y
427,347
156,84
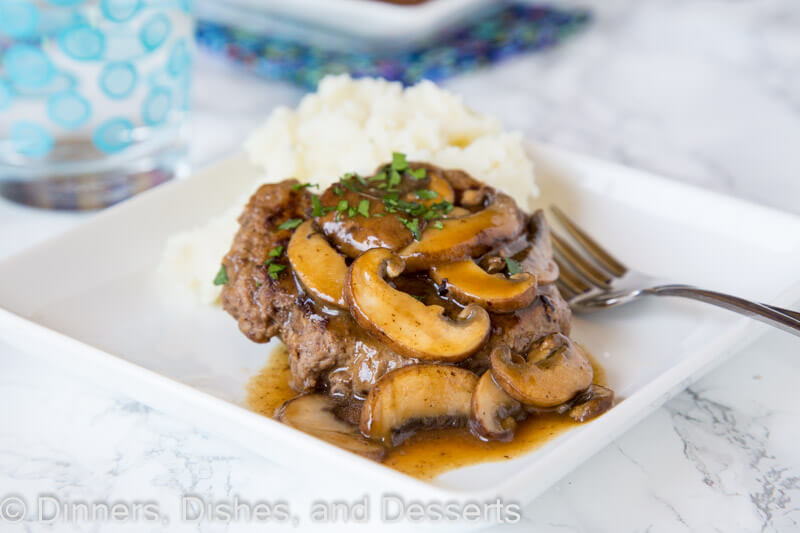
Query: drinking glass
x,y
93,98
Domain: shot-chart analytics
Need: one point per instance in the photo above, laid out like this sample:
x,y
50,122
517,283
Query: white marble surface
x,y
705,91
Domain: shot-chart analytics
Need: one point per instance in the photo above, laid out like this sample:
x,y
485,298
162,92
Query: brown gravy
x,y
426,454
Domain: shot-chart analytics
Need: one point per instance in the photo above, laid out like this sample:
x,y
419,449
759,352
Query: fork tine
x,y
597,252
569,278
579,264
565,291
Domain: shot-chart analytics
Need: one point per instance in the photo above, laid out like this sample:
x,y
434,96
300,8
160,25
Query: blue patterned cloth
x,y
513,30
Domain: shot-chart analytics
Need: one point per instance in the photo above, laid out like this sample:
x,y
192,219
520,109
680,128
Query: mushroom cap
x,y
320,269
556,369
417,396
494,412
467,236
407,325
469,283
315,414
596,401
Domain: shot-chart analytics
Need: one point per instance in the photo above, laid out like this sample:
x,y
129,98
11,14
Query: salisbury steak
x,y
328,350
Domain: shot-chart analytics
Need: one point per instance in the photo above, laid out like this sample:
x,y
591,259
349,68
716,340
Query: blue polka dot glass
x,y
93,98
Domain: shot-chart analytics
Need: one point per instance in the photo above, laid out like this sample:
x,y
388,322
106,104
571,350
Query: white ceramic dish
x,y
91,301
345,24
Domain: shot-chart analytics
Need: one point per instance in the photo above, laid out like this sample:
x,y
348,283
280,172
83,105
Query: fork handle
x,y
784,319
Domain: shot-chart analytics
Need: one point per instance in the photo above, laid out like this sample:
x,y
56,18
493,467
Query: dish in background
x,y
347,25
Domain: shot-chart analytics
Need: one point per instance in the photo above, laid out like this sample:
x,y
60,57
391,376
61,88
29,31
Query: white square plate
x,y
91,301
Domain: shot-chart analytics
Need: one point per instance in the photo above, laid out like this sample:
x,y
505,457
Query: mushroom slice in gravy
x,y
320,268
469,283
466,236
417,396
494,412
596,401
315,414
555,370
403,322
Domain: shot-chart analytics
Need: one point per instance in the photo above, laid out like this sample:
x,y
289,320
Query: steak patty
x,y
327,349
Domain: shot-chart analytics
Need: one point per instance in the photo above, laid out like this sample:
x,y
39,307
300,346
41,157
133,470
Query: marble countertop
x,y
703,91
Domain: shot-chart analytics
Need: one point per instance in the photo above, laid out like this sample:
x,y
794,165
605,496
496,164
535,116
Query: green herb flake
x,y
298,186
317,209
351,211
342,206
221,277
513,266
338,191
363,208
418,174
412,226
399,162
380,176
444,206
394,178
438,224
275,269
426,194
276,252
291,223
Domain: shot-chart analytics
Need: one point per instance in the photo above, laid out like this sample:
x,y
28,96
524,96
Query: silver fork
x,y
592,279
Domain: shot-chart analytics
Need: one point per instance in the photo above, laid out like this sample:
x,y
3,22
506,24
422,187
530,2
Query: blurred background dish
x,y
347,25
432,40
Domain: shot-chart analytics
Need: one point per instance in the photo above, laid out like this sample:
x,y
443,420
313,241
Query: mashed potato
x,y
355,125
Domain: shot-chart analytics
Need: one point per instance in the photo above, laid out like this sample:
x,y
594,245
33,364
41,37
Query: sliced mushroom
x,y
494,412
555,370
439,185
320,268
469,283
353,235
407,325
593,403
417,396
457,212
315,414
465,236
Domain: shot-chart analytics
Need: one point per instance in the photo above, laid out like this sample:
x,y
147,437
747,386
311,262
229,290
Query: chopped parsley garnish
x,y
351,185
275,269
426,194
444,206
317,210
338,191
222,276
513,266
298,186
351,211
276,252
291,223
412,226
363,208
418,174
342,206
380,176
438,224
399,162
394,178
